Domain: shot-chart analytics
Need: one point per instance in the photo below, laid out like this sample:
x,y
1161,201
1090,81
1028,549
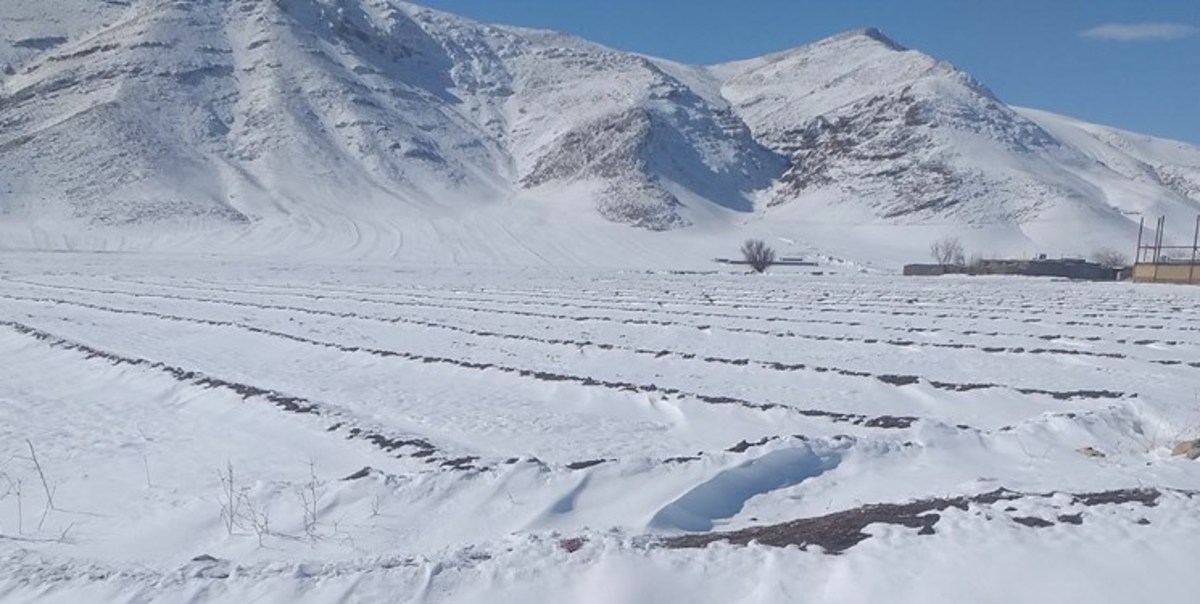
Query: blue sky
x,y
1134,64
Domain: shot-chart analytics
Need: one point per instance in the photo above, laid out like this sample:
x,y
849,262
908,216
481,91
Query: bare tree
x,y
948,251
1110,258
758,255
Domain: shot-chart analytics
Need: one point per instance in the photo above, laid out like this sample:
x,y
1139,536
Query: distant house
x,y
1067,268
933,270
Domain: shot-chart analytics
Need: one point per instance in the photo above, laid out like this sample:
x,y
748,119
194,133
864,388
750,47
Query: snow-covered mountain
x,y
379,126
911,139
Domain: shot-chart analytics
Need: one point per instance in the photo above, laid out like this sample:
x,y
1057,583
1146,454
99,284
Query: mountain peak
x,y
865,42
882,38
873,34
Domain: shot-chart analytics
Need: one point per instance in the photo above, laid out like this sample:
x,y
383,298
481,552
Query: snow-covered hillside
x,y
378,127
910,139
1140,174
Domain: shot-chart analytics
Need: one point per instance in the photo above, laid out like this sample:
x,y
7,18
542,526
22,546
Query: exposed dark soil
x,y
583,465
835,533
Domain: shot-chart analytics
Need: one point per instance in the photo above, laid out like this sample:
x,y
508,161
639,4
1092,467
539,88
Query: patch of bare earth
x,y
838,532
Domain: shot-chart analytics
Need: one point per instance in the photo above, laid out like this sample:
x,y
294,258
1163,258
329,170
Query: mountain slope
x,y
913,139
570,112
381,127
213,101
1146,166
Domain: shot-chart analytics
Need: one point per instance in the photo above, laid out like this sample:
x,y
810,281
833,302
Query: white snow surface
x,y
534,435
357,301
382,129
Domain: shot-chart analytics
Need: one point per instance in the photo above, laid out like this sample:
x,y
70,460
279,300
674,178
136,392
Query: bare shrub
x,y
239,513
758,254
17,487
260,521
232,499
1110,258
948,251
46,488
309,496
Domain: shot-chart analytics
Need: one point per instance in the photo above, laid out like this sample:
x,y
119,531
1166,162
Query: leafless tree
x,y
758,255
1110,258
948,251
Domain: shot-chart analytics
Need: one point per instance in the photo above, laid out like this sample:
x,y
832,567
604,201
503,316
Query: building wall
x,y
1066,269
924,270
1167,273
1069,269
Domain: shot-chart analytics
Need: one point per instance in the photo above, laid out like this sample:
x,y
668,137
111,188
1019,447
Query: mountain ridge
x,y
371,121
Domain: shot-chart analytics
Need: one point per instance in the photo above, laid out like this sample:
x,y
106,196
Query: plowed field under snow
x,y
176,429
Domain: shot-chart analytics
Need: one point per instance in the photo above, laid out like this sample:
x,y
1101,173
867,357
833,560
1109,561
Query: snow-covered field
x,y
245,430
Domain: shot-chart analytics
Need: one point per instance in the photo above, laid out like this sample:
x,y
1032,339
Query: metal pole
x,y
1195,248
1137,257
1162,238
1158,242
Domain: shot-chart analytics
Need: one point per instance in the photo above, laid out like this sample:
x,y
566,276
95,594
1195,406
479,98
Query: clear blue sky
x,y
1143,74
